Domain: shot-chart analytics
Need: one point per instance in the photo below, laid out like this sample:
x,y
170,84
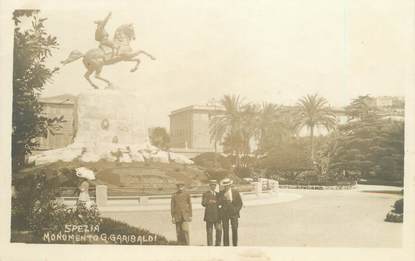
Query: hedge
x,y
38,217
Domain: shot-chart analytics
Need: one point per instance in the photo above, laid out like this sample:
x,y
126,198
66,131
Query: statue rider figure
x,y
108,52
101,35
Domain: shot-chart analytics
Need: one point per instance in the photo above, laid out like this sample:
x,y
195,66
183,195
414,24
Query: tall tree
x,y
32,47
290,158
326,152
249,126
373,147
313,111
390,159
227,126
361,108
273,125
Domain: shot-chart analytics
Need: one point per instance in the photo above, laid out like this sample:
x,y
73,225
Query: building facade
x,y
63,134
189,129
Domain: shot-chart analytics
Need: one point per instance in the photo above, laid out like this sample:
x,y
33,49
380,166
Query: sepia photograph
x,y
225,124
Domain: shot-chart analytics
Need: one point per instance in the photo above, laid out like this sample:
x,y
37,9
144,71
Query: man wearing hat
x,y
101,35
210,200
181,213
231,203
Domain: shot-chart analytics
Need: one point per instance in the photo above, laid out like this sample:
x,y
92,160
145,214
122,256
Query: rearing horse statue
x,y
95,59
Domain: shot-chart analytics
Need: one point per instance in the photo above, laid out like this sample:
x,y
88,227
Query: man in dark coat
x,y
211,203
231,203
181,213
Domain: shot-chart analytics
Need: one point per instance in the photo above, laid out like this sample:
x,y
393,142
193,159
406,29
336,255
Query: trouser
x,y
182,232
234,226
218,233
107,43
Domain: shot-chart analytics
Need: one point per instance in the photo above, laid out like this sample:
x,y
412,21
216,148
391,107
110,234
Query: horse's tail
x,y
73,56
147,54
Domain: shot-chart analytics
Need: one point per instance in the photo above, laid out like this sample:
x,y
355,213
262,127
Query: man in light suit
x,y
181,213
231,203
211,203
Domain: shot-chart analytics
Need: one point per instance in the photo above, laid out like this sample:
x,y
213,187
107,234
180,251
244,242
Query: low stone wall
x,y
317,187
259,189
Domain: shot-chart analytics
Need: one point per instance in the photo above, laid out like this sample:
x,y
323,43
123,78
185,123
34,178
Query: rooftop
x,y
197,108
59,99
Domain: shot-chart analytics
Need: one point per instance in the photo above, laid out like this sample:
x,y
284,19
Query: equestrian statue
x,y
109,52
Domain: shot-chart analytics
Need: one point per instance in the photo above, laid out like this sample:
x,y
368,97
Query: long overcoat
x,y
181,206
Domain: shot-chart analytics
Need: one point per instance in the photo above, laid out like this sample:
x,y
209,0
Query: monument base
x,y
109,152
109,125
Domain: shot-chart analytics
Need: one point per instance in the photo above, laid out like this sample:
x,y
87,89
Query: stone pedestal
x,y
110,117
258,187
276,186
101,194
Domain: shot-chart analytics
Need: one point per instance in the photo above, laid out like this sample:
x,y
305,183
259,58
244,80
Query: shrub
x,y
243,172
218,174
54,217
309,177
35,208
36,211
398,206
33,190
36,190
110,226
380,182
290,155
396,215
207,160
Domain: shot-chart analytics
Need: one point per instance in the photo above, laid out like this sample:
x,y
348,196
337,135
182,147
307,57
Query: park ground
x,y
328,218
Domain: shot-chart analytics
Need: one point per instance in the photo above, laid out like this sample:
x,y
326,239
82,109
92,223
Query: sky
x,y
272,51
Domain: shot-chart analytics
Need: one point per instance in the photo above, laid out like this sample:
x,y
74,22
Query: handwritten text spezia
x,y
91,234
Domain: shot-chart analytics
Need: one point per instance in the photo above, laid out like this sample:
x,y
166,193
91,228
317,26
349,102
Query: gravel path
x,y
319,219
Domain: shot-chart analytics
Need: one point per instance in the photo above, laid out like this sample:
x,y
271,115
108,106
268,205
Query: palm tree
x,y
272,126
267,115
249,128
314,111
228,123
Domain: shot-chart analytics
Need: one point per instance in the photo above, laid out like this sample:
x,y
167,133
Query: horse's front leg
x,y
132,58
98,76
87,75
137,63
